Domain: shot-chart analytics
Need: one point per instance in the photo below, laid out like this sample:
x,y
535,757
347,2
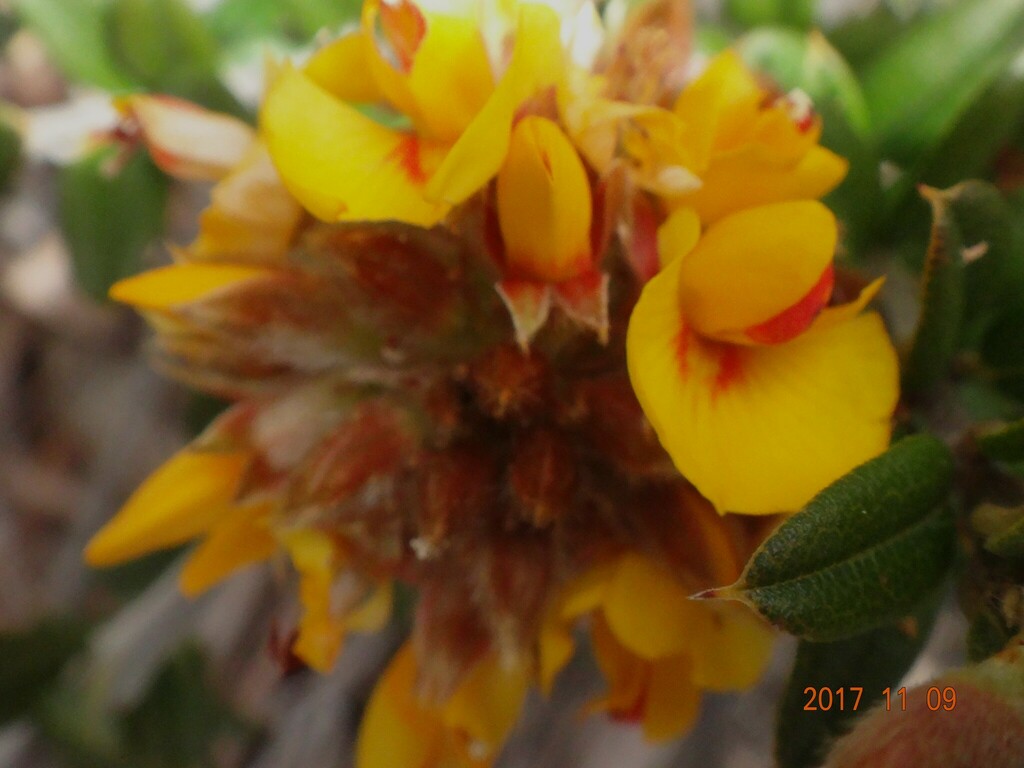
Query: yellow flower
x,y
659,650
403,728
433,68
750,147
761,395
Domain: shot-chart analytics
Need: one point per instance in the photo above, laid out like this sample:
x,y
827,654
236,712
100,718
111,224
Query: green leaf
x,y
10,151
757,13
917,88
869,662
995,277
977,136
987,635
942,301
810,63
238,21
1003,442
109,218
862,38
862,552
31,660
154,37
167,48
1003,353
177,722
1001,528
75,35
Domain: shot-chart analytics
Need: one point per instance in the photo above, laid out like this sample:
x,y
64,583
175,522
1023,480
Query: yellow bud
x,y
544,205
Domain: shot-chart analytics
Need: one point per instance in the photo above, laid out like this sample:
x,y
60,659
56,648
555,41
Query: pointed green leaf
x,y
861,667
862,552
109,217
942,299
1003,442
75,35
924,82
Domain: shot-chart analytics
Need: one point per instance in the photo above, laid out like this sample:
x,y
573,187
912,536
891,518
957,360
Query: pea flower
x,y
761,394
672,355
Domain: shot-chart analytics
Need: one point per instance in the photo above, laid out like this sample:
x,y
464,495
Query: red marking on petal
x,y
634,713
643,245
683,350
405,27
793,321
407,155
730,368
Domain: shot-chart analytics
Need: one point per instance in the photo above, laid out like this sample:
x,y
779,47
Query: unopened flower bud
x,y
544,204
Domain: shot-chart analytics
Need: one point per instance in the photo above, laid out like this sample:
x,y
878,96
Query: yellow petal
x,y
251,217
544,204
626,674
340,164
579,597
658,625
373,614
753,266
673,699
396,729
321,630
678,235
437,71
187,141
761,429
846,312
186,497
486,704
719,107
741,180
731,648
169,287
340,68
537,63
238,541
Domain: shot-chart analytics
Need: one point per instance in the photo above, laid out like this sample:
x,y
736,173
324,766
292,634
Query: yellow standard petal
x,y
761,429
544,204
538,62
340,164
431,65
168,287
761,275
340,68
184,498
187,141
741,180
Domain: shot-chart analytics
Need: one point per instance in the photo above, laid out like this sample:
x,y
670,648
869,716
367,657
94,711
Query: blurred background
x,y
115,668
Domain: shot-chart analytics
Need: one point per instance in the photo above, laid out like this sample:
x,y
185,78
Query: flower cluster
x,y
506,320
